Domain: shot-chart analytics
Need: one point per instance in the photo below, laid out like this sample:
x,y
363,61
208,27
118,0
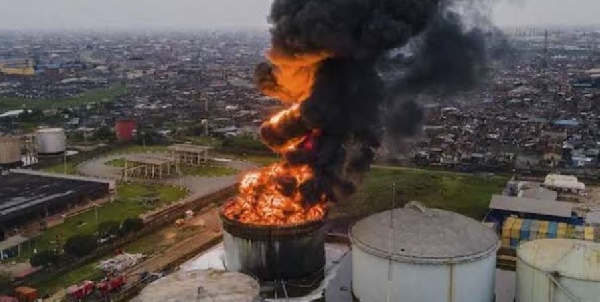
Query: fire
x,y
273,195
295,75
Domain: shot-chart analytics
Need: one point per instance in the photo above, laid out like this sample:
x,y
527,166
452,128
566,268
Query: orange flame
x,y
272,196
295,75
261,201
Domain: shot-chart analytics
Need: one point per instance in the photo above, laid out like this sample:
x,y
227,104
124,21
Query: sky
x,y
198,14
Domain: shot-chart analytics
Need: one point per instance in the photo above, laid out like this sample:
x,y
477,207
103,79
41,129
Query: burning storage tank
x,y
51,141
558,270
201,285
10,151
124,129
420,254
275,252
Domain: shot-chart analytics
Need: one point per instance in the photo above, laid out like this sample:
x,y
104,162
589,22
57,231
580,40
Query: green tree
x,y
5,283
81,245
45,258
108,228
104,133
132,225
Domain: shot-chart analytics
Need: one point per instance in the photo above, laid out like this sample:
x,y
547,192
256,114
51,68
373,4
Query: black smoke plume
x,y
341,119
449,56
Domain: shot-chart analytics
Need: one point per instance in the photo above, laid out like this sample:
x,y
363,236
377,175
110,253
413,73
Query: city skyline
x,y
201,14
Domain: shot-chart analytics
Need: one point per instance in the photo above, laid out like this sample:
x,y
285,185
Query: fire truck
x,y
80,291
110,284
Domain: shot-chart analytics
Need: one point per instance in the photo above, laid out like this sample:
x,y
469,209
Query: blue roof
x,y
566,123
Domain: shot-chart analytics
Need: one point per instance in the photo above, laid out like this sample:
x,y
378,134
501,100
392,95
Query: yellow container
x,y
543,232
505,242
507,226
562,230
515,231
589,234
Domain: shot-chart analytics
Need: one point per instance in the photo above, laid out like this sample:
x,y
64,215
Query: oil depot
x,y
409,254
51,141
421,254
10,152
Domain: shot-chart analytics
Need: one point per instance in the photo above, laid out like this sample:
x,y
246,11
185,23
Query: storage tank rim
x,y
562,274
423,260
429,236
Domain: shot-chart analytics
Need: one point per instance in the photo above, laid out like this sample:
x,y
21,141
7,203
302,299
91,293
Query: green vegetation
x,y
117,162
44,258
132,225
88,97
463,193
139,149
208,170
81,245
46,284
71,168
129,203
244,143
202,140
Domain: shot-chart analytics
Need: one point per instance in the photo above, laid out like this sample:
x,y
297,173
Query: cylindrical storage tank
x,y
51,141
124,129
273,253
415,254
201,285
10,151
558,270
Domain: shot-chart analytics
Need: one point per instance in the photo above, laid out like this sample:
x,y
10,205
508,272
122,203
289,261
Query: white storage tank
x,y
10,150
201,285
558,270
51,141
416,254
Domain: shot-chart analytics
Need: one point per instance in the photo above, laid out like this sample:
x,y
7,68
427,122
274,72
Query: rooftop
x,y
423,235
531,205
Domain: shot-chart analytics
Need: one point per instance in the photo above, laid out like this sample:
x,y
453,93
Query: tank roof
x,y
46,130
201,285
424,235
567,257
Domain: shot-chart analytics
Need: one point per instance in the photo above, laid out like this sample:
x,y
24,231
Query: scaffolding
x,y
190,154
150,167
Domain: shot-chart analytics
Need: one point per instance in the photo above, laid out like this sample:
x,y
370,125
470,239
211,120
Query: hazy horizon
x,y
221,14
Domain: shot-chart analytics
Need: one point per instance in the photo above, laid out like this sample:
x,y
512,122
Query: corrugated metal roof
x,y
569,258
531,205
423,235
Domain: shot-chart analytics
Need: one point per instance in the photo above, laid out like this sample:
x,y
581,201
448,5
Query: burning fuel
x,y
322,67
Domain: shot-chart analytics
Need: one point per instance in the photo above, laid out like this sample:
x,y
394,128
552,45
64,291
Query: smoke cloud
x,y
340,120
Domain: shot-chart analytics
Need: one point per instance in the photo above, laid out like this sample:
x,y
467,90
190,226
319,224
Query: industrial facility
x,y
10,152
51,141
28,198
411,254
150,166
190,154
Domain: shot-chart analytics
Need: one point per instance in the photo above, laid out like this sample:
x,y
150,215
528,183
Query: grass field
x,y
139,149
89,97
60,168
129,203
117,162
463,193
208,171
50,285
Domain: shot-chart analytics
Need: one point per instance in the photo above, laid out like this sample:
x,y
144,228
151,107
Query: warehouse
x,y
502,206
26,197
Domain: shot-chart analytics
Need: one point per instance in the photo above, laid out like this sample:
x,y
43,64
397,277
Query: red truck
x,y
80,291
110,284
